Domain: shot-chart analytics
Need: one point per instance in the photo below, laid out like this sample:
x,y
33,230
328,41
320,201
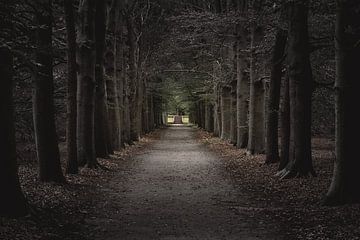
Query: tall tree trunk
x,y
145,109
121,94
225,112
300,77
71,157
114,72
12,201
233,119
133,80
140,87
256,142
202,113
242,90
102,138
197,113
344,185
86,84
272,142
151,112
217,112
209,116
43,98
285,126
127,118
157,110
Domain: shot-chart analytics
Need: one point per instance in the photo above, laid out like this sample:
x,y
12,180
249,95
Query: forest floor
x,y
182,183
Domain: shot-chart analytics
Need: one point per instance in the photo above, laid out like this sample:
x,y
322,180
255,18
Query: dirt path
x,y
176,189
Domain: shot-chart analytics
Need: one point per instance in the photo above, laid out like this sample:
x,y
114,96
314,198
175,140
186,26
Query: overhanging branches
x,y
188,71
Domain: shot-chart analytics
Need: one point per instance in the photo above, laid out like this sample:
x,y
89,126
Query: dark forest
x,y
179,119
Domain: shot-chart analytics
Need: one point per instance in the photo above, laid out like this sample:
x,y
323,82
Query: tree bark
x,y
86,84
272,137
43,98
217,112
12,201
114,72
225,101
145,110
209,116
202,113
242,91
256,142
133,80
71,157
140,87
151,112
127,118
344,184
300,77
103,145
285,126
233,120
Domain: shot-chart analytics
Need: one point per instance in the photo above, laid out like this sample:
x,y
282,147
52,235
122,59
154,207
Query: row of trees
x,y
120,55
242,103
110,101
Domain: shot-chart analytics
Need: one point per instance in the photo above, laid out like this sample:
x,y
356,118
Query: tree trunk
x,y
152,113
300,77
256,142
285,126
217,112
157,110
12,201
209,116
133,81
272,138
114,71
140,87
233,120
145,110
242,91
202,114
86,84
344,185
102,146
71,157
197,113
127,119
121,94
43,99
225,113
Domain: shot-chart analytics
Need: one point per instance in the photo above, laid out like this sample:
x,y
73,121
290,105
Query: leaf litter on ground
x,y
293,203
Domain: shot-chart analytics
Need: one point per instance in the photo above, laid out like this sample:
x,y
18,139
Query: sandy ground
x,y
178,189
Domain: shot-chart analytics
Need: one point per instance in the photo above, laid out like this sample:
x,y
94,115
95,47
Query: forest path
x,y
177,189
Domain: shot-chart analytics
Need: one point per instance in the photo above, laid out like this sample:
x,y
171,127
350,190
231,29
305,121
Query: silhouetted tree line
x,y
259,72
109,100
117,58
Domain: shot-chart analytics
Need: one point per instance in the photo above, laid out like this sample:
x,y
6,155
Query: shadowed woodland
x,y
270,87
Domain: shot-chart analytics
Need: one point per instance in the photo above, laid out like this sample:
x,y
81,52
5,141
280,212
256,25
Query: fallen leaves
x,y
58,211
293,203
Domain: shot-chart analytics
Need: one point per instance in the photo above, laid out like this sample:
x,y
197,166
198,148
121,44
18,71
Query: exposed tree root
x,y
294,173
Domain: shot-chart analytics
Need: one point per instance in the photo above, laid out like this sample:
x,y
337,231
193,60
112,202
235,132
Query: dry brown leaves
x,y
293,203
58,210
